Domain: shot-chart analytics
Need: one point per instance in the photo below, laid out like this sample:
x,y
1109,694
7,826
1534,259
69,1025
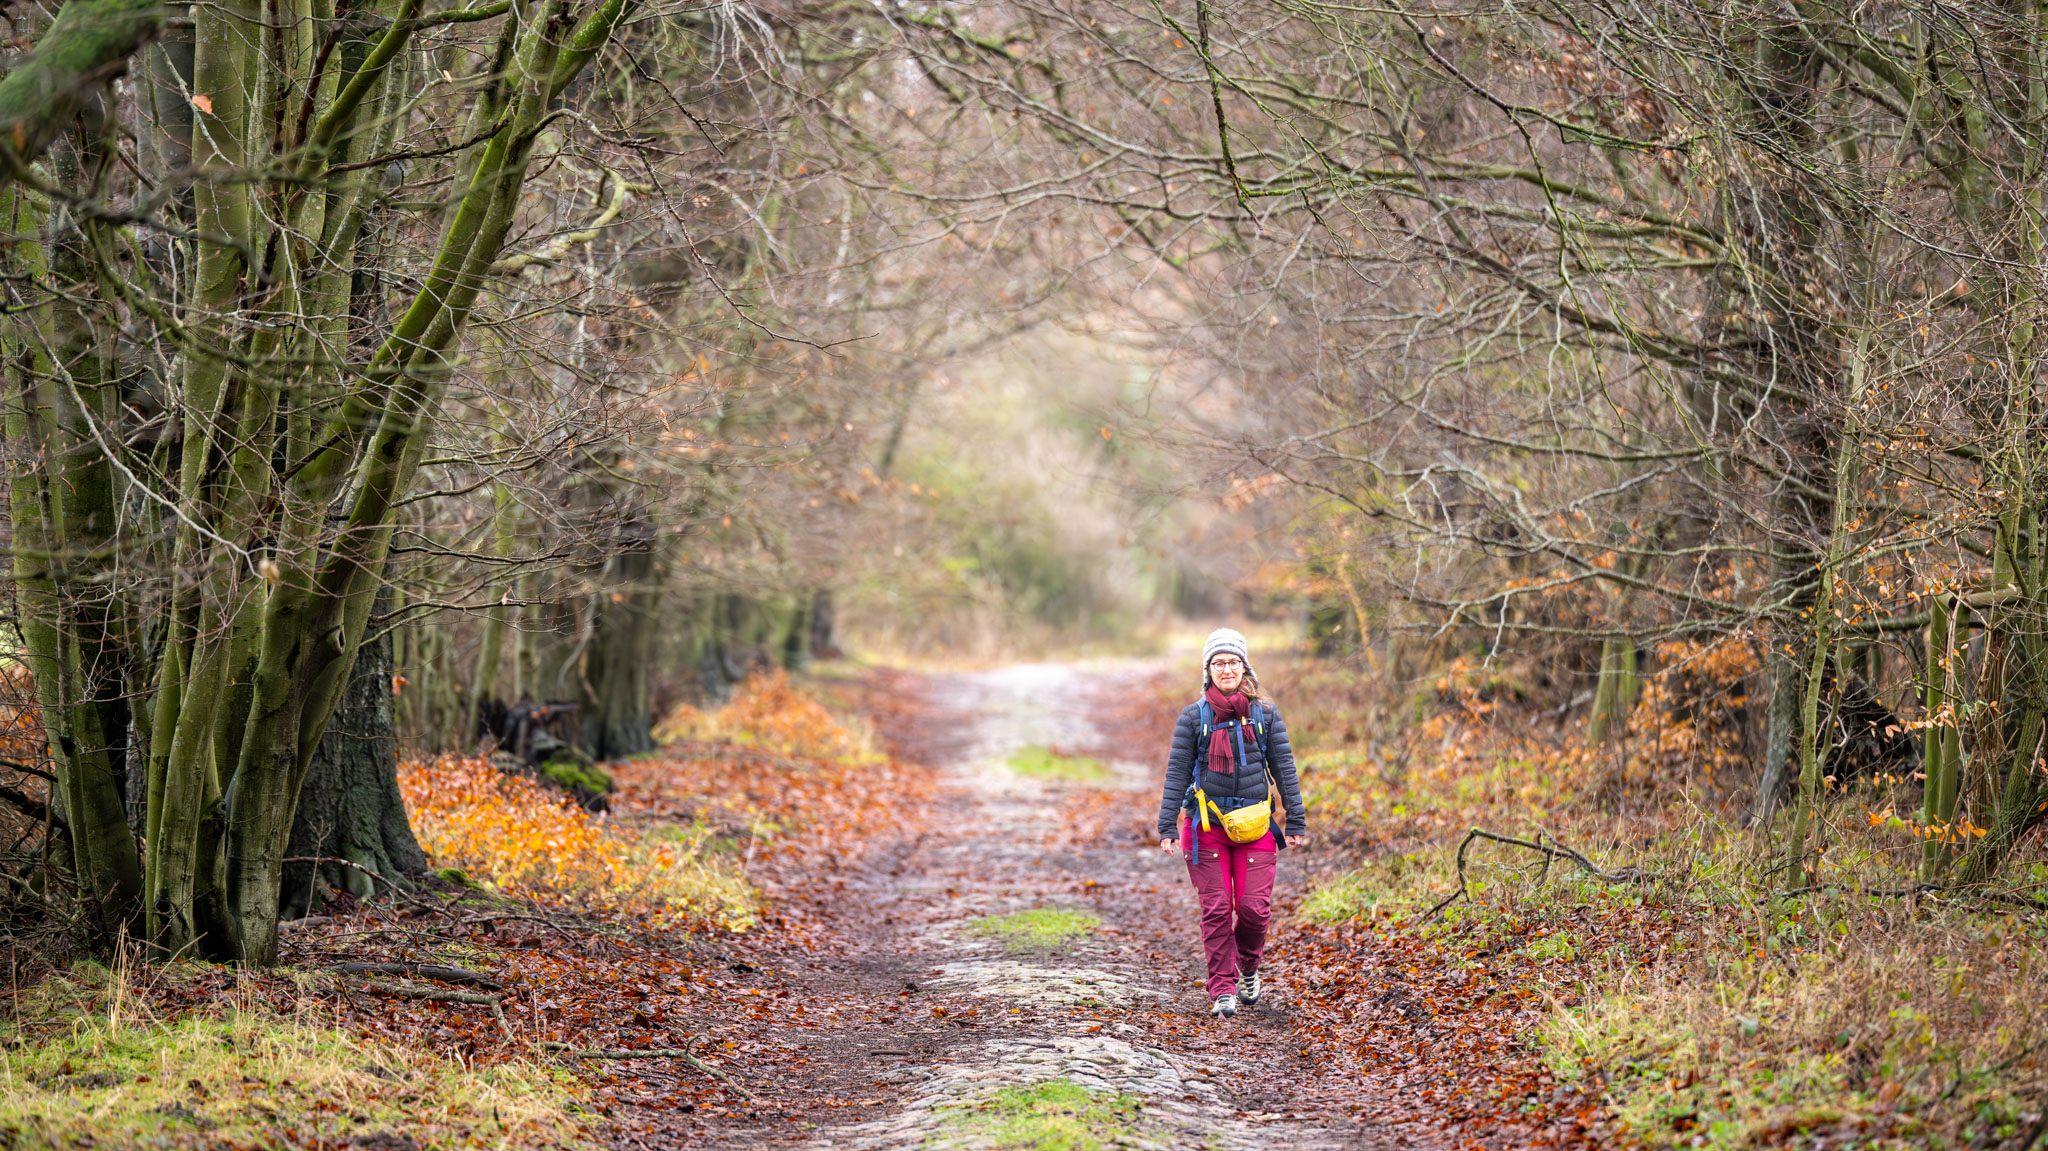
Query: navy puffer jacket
x,y
1249,781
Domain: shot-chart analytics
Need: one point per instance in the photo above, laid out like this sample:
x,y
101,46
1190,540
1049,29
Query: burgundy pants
x,y
1234,882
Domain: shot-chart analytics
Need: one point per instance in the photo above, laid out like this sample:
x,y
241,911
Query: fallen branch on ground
x,y
442,995
402,888
1551,850
619,1052
721,1076
2008,898
423,970
682,1053
540,919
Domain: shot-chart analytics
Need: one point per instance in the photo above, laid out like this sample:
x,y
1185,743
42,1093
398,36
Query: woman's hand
x,y
1170,846
1298,840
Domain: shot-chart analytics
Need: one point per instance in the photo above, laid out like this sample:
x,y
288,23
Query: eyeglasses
x,y
1225,664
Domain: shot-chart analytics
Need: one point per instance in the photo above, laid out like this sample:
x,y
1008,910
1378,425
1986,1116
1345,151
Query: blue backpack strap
x,y
1208,715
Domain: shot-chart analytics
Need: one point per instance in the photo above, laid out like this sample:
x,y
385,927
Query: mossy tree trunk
x,y
1614,693
270,515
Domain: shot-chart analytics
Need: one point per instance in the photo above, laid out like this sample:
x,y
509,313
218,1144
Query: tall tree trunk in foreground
x,y
267,517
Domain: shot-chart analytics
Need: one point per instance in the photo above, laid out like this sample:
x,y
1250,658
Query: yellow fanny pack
x,y
1245,825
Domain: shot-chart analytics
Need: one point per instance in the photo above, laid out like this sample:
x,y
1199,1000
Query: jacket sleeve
x,y
1280,760
1180,768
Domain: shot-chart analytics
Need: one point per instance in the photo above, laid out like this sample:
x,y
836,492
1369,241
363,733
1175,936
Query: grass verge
x,y
1040,927
1056,1115
86,1064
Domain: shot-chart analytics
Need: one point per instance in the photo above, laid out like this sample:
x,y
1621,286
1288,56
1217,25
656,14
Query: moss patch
x,y
457,876
573,775
84,1067
1044,763
1039,927
1056,1115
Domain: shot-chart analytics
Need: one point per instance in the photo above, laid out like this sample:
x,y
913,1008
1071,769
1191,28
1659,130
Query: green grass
x,y
1344,897
86,1065
1389,881
1039,762
1040,927
1056,1115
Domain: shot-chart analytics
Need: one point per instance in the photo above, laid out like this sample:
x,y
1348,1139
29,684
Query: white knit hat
x,y
1223,640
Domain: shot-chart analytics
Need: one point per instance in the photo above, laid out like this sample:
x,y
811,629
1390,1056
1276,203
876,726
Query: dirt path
x,y
916,1018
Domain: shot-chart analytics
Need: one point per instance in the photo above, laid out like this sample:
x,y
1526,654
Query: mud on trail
x,y
1018,941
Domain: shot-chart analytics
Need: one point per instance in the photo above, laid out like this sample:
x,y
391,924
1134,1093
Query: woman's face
x,y
1226,672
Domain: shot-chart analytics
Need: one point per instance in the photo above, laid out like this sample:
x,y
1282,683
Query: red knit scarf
x,y
1236,705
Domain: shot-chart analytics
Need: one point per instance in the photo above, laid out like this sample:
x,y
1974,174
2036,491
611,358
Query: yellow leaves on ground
x,y
517,834
769,712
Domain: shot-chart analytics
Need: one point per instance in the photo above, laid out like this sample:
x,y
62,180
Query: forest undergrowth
x,y
490,1003
1685,995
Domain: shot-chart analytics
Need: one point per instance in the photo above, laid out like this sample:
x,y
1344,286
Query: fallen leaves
x,y
528,839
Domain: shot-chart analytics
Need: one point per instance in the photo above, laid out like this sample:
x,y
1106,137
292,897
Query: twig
x,y
721,1076
425,970
317,860
30,806
442,995
541,919
1550,851
618,1052
25,769
2040,1124
2006,897
683,1053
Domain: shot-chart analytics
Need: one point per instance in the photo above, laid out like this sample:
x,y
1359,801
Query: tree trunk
x,y
72,624
824,626
1615,691
616,721
349,807
1793,374
1943,749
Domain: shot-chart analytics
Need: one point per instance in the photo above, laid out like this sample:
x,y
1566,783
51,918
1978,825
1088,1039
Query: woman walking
x,y
1217,812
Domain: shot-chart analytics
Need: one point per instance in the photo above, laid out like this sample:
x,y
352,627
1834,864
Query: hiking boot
x,y
1224,1007
1248,989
